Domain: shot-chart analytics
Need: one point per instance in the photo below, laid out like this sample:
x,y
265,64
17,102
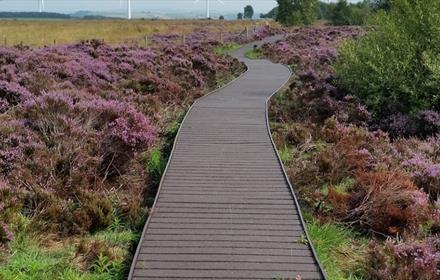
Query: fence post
x,y
221,37
247,32
5,41
54,42
146,41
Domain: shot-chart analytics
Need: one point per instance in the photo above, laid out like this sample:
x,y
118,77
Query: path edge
x,y
144,230
286,177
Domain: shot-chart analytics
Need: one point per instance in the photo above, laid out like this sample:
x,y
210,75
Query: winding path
x,y
225,208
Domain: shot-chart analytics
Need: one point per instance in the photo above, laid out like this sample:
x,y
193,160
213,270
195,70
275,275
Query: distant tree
x,y
344,13
221,17
341,13
248,12
380,4
285,10
296,12
240,16
304,12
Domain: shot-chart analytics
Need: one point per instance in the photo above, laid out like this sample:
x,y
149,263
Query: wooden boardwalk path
x,y
224,209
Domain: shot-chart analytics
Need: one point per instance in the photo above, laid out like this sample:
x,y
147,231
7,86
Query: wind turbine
x,y
40,5
208,6
129,9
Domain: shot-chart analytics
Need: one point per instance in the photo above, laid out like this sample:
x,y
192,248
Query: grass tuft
x,y
224,49
341,251
254,54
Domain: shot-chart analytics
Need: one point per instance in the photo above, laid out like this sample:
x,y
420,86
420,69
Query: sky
x,y
68,6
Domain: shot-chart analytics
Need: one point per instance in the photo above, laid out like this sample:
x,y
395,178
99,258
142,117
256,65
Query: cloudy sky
x,y
65,6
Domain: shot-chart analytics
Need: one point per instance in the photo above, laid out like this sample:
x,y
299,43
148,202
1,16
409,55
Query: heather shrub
x,y
12,93
420,159
388,202
5,234
91,252
345,168
394,67
406,259
75,120
16,143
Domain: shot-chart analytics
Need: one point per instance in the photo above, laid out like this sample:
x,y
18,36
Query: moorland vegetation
x,y
358,130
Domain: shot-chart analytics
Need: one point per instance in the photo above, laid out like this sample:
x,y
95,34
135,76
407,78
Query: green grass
x,y
224,49
33,258
285,154
340,250
254,54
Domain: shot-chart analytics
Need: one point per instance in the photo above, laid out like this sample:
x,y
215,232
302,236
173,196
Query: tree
x,y
395,68
296,12
221,17
304,12
285,9
240,16
248,12
380,4
341,13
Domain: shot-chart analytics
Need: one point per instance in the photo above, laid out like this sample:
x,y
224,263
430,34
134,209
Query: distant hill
x,y
36,15
46,15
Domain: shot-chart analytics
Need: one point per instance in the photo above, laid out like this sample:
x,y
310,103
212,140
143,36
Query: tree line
x,y
305,12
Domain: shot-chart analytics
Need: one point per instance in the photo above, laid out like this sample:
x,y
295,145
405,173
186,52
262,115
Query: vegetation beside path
x,y
361,143
85,133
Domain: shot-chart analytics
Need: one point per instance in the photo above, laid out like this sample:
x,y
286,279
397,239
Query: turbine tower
x,y
208,6
40,5
128,9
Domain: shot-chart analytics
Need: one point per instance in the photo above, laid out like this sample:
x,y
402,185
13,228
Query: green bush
x,y
344,13
296,12
396,67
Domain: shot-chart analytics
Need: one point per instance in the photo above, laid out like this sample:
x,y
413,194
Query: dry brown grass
x,y
40,33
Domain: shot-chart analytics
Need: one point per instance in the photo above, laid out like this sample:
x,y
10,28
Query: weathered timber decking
x,y
225,209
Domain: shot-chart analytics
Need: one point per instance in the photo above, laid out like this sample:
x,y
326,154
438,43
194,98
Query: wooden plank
x,y
256,227
226,221
201,251
226,244
224,274
232,265
218,237
229,258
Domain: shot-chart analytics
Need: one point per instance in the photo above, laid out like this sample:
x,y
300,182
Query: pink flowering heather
x,y
77,123
135,131
408,260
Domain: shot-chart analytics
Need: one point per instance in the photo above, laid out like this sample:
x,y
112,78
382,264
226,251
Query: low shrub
x,y
393,69
348,171
407,259
388,202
